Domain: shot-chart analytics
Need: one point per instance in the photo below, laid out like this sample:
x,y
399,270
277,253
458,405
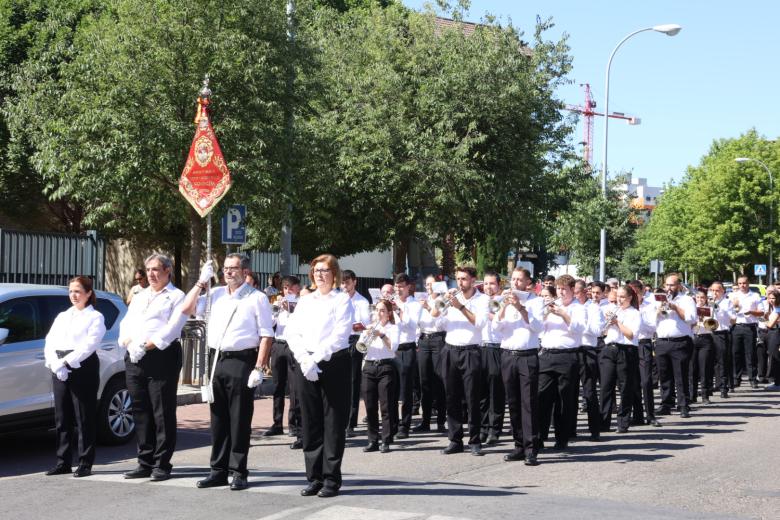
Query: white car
x,y
26,398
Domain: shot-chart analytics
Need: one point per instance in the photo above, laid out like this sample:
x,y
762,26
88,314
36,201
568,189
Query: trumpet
x,y
499,302
707,318
548,307
362,346
663,309
609,316
443,304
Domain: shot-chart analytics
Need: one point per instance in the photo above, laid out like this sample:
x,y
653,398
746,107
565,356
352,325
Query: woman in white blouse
x,y
380,379
318,336
70,353
619,359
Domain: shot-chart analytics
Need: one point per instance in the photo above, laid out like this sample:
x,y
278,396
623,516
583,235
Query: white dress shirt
x,y
515,332
763,306
594,324
320,326
377,349
631,319
648,310
558,335
490,333
724,313
361,312
427,323
78,330
251,321
280,322
154,316
460,331
671,326
748,301
406,321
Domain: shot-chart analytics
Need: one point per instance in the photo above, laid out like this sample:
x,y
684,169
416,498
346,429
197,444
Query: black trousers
x,y
617,365
673,358
356,375
460,369
646,365
773,346
558,373
231,412
405,362
744,351
724,374
325,405
762,360
702,365
492,401
431,383
75,405
589,370
152,384
380,391
284,365
520,374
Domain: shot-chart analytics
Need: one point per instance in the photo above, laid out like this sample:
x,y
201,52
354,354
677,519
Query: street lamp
x,y
770,272
670,29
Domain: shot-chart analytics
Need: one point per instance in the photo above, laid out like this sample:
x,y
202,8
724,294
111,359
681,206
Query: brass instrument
x,y
663,309
707,318
443,304
362,346
609,316
499,302
548,307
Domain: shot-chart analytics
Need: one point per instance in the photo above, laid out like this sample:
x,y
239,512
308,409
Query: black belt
x,y
676,339
751,325
462,347
720,332
406,346
623,345
427,335
559,350
379,362
591,347
247,353
523,352
62,353
703,334
492,345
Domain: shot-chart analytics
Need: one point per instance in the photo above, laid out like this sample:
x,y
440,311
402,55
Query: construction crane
x,y
588,111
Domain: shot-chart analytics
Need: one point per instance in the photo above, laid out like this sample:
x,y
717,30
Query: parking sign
x,y
233,226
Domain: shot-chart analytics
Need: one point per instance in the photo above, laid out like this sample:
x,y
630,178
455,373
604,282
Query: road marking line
x,y
282,514
360,513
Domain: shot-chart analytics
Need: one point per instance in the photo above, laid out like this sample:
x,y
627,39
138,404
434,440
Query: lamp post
x,y
670,30
770,271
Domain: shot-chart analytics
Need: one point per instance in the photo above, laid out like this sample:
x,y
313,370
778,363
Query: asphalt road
x,y
720,463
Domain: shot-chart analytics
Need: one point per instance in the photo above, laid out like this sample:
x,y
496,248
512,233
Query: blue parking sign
x,y
233,225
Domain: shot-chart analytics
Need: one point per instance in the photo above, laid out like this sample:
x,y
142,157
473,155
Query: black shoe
x,y
384,448
454,447
82,471
655,422
694,399
637,422
416,410
273,431
595,438
328,492
754,385
372,446
158,475
441,428
351,433
59,469
311,489
297,444
239,483
291,433
491,440
706,400
561,446
402,434
213,480
663,410
139,472
724,394
364,420
685,413
476,450
514,455
421,428
530,460
622,429
483,438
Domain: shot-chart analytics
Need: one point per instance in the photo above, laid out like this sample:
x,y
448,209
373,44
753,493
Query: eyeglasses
x,y
321,271
231,269
139,279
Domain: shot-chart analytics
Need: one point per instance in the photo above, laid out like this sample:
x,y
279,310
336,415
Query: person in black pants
x,y
592,346
747,310
429,345
773,346
721,339
362,318
71,355
492,400
318,334
150,332
406,316
379,377
702,361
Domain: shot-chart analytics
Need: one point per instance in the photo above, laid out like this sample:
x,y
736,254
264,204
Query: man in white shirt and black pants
x,y
721,338
362,319
239,321
463,321
430,343
747,309
674,347
407,314
492,399
150,331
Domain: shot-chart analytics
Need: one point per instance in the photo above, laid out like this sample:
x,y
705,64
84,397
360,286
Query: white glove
x,y
206,272
136,351
255,378
306,364
313,373
62,373
56,365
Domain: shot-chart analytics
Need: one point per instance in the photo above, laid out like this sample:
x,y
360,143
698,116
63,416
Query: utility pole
x,y
285,238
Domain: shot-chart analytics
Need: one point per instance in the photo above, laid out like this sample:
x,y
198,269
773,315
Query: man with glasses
x,y
747,309
361,319
139,284
674,347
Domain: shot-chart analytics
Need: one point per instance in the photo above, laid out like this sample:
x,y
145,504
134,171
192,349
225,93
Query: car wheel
x,y
115,413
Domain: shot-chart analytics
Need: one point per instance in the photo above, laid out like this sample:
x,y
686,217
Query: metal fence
x,y
51,258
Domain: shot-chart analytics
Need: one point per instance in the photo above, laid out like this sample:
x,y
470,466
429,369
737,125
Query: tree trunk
x,y
448,256
400,251
177,270
196,247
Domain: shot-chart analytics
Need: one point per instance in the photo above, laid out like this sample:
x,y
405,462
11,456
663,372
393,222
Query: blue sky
x,y
716,79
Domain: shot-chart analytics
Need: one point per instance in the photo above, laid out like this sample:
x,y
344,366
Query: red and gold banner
x,y
205,178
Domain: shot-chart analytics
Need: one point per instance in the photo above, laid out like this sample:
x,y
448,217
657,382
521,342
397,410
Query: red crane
x,y
587,111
